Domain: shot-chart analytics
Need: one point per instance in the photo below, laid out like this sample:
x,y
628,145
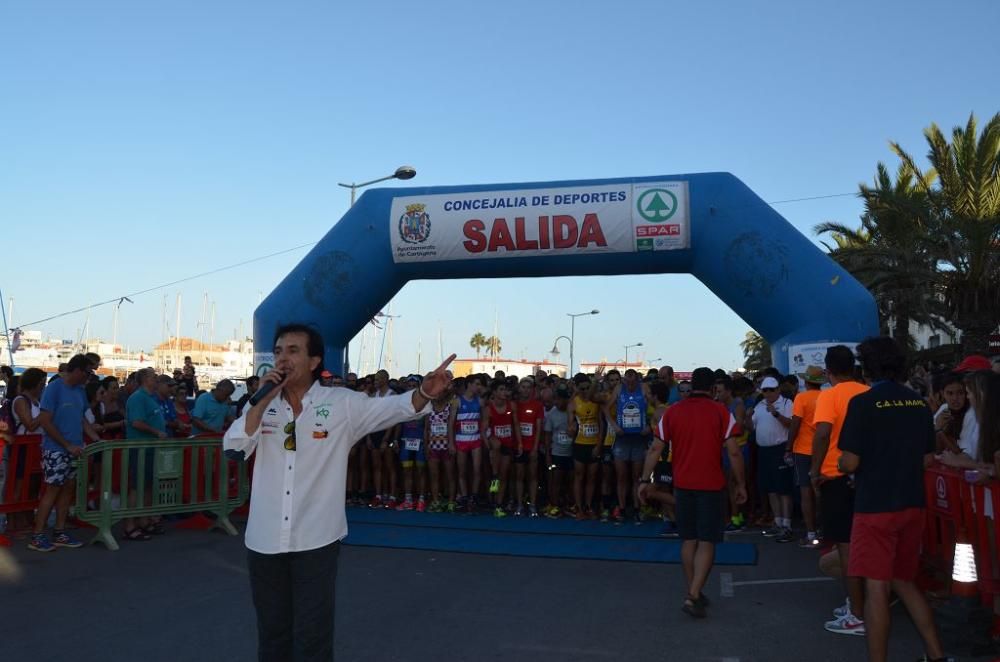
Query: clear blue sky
x,y
145,142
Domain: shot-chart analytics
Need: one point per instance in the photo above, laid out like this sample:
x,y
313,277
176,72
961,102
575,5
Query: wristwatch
x,y
645,481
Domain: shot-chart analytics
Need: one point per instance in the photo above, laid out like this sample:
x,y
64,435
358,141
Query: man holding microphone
x,y
302,433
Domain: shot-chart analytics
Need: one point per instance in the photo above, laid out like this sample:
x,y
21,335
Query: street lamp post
x,y
555,347
627,348
572,335
403,172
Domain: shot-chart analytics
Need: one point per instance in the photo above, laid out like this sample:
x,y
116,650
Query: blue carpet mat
x,y
598,544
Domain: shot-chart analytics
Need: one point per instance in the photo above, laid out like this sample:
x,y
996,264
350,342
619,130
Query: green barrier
x,y
169,477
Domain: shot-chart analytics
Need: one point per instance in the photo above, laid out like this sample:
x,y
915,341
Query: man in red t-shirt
x,y
697,428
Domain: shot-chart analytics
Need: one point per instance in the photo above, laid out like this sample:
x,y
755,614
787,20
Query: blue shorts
x,y
630,448
58,467
408,457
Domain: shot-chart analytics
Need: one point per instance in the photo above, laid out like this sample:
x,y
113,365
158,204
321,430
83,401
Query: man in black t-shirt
x,y
886,441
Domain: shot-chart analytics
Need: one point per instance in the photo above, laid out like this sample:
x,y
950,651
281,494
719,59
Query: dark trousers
x,y
294,596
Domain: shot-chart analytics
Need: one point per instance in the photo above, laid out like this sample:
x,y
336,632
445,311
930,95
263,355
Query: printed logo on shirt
x,y
321,434
272,411
323,411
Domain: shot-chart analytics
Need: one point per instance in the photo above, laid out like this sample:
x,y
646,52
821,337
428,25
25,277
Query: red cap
x,y
973,363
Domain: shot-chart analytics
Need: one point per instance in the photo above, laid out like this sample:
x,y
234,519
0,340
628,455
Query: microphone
x,y
263,392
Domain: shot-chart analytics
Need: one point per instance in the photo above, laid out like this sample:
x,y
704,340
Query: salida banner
x,y
621,218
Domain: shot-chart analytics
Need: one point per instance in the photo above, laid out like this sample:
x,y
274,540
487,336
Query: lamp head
x,y
405,172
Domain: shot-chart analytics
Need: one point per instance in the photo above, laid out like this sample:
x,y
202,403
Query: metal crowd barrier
x,y
168,477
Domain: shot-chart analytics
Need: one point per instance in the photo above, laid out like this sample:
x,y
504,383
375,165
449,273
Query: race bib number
x,y
527,429
469,427
631,418
561,438
590,429
411,444
503,431
439,429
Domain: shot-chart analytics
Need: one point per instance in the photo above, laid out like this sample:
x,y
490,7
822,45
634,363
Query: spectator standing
x,y
835,488
252,383
63,406
697,428
144,418
211,410
886,441
771,418
800,435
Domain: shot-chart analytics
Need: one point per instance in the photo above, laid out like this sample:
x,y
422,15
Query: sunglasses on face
x,y
769,390
290,439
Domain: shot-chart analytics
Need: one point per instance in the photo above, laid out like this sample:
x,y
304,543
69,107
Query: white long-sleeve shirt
x,y
297,501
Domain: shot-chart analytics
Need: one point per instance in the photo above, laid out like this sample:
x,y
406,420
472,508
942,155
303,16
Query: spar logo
x,y
656,205
415,224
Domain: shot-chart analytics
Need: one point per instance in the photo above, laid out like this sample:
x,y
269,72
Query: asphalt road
x,y
185,596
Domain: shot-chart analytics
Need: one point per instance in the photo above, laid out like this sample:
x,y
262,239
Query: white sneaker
x,y
849,624
842,610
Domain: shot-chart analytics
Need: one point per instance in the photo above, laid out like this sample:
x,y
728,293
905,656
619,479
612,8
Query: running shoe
x,y
552,512
451,506
532,511
618,515
771,532
849,624
376,502
390,504
809,543
494,486
519,511
435,507
580,516
421,506
63,539
637,517
41,543
498,512
605,515
733,527
785,536
405,505
843,610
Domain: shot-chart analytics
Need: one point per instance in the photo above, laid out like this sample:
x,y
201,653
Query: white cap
x,y
769,382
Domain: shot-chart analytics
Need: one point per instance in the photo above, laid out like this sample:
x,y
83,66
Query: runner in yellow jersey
x,y
585,422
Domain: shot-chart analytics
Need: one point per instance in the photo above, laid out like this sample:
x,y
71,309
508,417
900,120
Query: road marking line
x,y
726,584
564,650
793,580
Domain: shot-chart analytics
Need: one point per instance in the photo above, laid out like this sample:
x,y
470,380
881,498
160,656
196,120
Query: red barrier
x,y
961,511
24,476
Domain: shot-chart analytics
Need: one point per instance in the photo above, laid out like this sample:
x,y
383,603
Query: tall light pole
x,y
572,336
627,348
403,172
555,348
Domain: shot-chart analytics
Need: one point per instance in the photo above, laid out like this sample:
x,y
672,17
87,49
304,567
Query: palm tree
x,y
477,342
966,212
893,252
493,345
756,352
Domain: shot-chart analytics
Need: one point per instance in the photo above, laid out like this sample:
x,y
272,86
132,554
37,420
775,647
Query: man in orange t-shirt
x,y
800,441
836,490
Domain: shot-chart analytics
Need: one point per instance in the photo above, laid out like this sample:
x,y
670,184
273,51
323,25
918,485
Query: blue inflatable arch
x,y
710,225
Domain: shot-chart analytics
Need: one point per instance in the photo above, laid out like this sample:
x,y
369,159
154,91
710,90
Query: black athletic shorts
x,y
699,515
773,475
584,453
663,474
837,512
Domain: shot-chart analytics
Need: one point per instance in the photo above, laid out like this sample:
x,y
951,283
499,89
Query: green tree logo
x,y
656,205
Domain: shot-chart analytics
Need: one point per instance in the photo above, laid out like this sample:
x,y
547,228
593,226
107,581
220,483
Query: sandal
x,y
155,529
693,608
136,534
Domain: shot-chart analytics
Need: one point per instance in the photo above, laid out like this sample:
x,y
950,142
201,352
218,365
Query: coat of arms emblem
x,y
415,224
